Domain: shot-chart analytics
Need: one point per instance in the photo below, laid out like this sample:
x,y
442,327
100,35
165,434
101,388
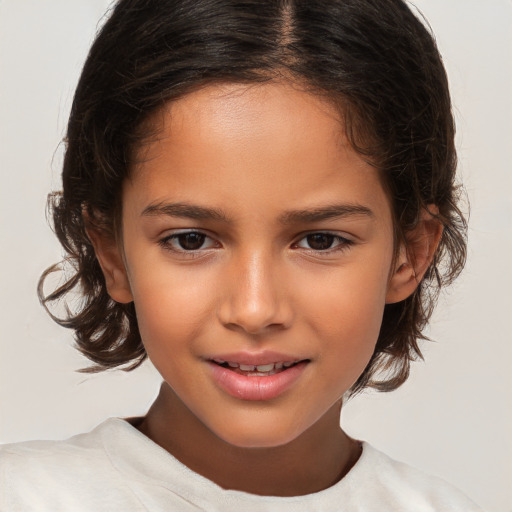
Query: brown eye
x,y
320,241
190,241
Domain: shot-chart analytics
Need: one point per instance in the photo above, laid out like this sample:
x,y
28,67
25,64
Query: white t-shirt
x,y
117,468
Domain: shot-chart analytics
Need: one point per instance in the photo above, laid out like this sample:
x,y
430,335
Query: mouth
x,y
256,377
257,370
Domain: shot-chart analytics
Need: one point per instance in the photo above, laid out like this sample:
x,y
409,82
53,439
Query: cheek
x,y
345,313
171,306
348,298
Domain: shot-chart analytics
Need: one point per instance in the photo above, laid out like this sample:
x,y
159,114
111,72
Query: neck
x,y
314,461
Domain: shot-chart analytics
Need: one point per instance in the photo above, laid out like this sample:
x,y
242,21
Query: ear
x,y
415,256
112,264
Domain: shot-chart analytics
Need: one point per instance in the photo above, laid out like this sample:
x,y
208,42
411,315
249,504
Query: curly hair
x,y
373,58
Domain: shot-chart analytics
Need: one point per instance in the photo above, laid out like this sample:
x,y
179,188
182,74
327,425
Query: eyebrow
x,y
184,210
335,211
191,211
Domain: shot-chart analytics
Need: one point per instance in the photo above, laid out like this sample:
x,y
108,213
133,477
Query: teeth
x,y
265,367
262,368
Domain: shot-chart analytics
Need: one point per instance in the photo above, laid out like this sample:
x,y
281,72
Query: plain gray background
x,y
452,418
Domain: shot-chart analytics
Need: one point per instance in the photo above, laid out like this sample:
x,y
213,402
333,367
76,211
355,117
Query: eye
x,y
188,241
325,242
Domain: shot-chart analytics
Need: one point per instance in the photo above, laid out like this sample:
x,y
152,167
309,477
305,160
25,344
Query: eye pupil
x,y
320,241
191,241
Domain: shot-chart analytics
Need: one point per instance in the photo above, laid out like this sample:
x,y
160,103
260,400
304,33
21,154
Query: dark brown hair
x,y
374,58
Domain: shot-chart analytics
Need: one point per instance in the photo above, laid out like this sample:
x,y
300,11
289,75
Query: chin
x,y
248,441
257,435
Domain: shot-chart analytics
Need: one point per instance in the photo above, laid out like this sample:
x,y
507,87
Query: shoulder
x,y
42,456
399,485
68,475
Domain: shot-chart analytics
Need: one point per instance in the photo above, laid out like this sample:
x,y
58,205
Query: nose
x,y
256,300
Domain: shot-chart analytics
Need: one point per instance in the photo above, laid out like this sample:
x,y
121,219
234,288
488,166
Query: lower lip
x,y
256,387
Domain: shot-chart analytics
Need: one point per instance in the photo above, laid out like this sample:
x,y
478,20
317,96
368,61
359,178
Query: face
x,y
258,247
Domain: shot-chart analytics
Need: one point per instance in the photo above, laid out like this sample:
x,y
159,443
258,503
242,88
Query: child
x,y
260,198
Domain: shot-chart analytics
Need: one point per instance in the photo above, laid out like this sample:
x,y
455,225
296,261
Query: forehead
x,y
242,115
246,147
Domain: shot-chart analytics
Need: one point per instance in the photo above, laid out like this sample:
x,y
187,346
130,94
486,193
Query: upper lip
x,y
256,358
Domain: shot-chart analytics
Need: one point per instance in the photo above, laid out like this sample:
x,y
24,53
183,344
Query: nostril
x,y
255,312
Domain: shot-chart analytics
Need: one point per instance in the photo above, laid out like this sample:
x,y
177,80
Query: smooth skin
x,y
250,225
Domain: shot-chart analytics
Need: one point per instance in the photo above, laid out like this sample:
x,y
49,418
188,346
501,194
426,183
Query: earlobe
x,y
415,256
112,265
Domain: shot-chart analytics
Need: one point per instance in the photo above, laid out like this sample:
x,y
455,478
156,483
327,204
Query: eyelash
x,y
342,243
